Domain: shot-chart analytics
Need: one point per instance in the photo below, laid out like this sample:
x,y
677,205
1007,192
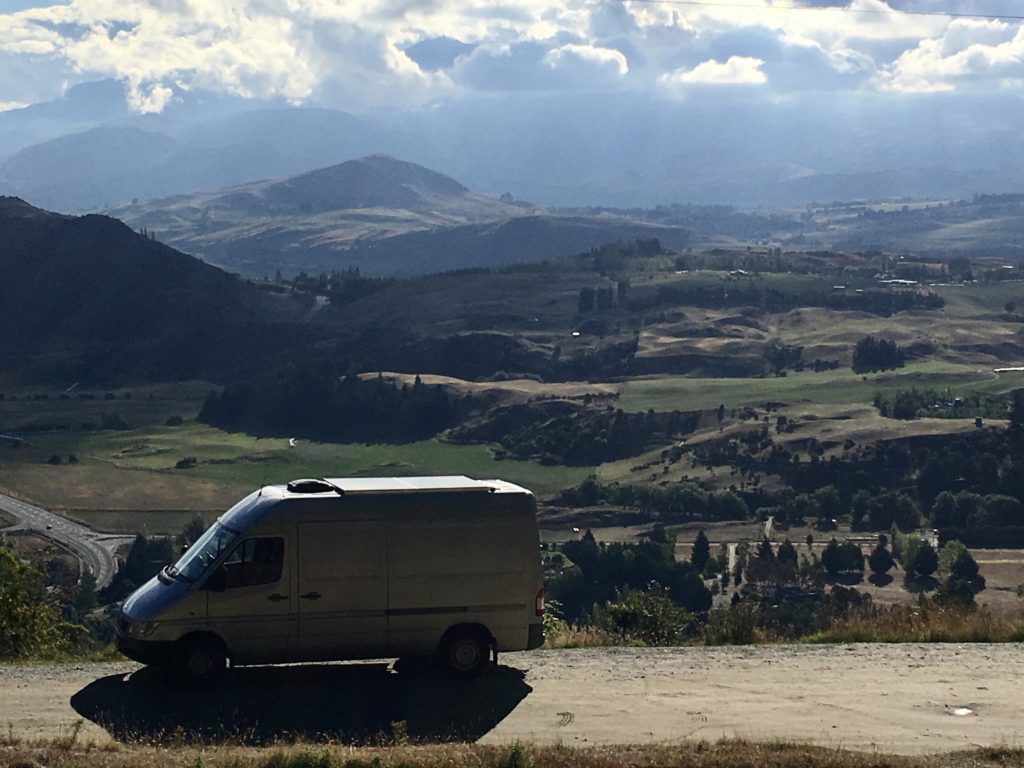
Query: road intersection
x,y
97,551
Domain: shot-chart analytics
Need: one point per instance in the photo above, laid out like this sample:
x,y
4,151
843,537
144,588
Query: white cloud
x,y
967,53
736,70
343,52
574,55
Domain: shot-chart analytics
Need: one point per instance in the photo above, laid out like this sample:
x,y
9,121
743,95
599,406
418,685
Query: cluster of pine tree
x,y
320,405
871,354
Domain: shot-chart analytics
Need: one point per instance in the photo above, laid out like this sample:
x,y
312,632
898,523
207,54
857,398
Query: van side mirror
x,y
215,582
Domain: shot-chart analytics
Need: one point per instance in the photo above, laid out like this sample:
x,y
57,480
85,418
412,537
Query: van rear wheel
x,y
465,652
200,661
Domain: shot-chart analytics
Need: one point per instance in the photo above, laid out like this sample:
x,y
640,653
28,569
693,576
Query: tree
x,y
701,552
880,561
193,529
843,560
958,571
30,624
831,559
923,561
1017,411
871,354
765,553
787,553
622,291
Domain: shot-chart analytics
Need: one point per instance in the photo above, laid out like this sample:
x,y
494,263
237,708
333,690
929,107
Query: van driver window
x,y
254,561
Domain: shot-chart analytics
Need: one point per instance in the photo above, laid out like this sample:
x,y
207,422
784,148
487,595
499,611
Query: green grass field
x,y
840,385
967,300
122,475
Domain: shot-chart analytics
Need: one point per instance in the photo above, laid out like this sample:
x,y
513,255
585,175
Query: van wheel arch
x,y
465,649
200,658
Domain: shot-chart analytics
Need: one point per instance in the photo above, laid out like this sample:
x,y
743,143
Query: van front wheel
x,y
200,661
465,652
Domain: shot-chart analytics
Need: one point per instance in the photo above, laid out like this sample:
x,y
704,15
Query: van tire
x,y
465,652
200,660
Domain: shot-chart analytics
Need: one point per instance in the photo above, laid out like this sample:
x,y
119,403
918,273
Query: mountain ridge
x,y
86,297
380,214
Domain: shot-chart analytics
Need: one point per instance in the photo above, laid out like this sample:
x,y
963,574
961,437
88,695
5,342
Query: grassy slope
x,y
840,385
121,473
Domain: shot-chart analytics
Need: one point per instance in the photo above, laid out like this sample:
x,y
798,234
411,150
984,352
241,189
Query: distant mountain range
x,y
378,214
87,151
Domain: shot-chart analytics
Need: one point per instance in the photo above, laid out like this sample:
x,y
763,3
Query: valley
x,y
634,387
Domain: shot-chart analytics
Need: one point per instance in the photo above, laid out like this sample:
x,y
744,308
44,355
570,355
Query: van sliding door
x,y
342,589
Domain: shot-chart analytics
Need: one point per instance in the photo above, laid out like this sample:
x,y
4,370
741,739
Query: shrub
x,y
29,624
650,617
731,626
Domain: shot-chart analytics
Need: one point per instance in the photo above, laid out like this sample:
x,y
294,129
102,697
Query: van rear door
x,y
342,593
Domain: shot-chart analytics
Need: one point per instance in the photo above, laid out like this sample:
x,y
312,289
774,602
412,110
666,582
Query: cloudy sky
x,y
399,53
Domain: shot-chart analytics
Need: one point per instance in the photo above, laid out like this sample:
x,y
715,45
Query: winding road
x,y
96,551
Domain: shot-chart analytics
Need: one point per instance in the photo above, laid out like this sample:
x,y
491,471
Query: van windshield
x,y
204,553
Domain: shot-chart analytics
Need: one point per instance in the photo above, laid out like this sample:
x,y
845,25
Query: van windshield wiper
x,y
169,574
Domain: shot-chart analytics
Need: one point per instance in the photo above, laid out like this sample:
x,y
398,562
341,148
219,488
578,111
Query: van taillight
x,y
538,607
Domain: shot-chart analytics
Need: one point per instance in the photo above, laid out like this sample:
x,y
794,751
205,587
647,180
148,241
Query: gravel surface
x,y
908,699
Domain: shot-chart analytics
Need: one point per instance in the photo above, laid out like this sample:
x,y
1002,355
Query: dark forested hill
x,y
87,297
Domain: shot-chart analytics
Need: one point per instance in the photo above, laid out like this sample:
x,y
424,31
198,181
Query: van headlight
x,y
138,629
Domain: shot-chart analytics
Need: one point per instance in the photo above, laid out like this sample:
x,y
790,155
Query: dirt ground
x,y
910,699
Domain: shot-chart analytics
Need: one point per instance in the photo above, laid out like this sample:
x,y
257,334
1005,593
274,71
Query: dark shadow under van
x,y
365,703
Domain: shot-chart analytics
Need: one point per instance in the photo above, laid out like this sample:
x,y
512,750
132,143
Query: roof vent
x,y
309,485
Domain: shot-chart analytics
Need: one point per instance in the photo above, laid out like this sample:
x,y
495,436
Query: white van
x,y
348,568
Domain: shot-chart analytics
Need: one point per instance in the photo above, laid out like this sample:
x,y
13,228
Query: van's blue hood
x,y
155,599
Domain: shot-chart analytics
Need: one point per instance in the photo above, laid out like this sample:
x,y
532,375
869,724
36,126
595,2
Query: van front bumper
x,y
155,653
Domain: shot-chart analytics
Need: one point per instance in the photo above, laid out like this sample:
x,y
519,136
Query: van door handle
x,y
276,598
311,596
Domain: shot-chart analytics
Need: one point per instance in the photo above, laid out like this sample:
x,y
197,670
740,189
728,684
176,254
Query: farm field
x,y
36,408
832,387
127,480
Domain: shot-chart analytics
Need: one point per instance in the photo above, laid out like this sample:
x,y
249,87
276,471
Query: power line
x,y
840,9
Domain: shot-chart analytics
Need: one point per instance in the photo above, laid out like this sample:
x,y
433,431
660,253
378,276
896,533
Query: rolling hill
x,y
86,297
382,215
140,157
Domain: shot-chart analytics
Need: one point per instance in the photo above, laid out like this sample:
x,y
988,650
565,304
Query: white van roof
x,y
443,484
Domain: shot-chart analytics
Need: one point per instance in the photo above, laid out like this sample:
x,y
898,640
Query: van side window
x,y
254,561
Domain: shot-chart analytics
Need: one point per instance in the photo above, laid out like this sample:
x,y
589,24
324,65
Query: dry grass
x,y
723,754
926,624
571,636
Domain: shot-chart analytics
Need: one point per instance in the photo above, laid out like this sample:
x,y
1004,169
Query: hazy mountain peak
x,y
376,181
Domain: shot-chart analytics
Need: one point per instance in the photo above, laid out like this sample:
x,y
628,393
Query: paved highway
x,y
95,550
